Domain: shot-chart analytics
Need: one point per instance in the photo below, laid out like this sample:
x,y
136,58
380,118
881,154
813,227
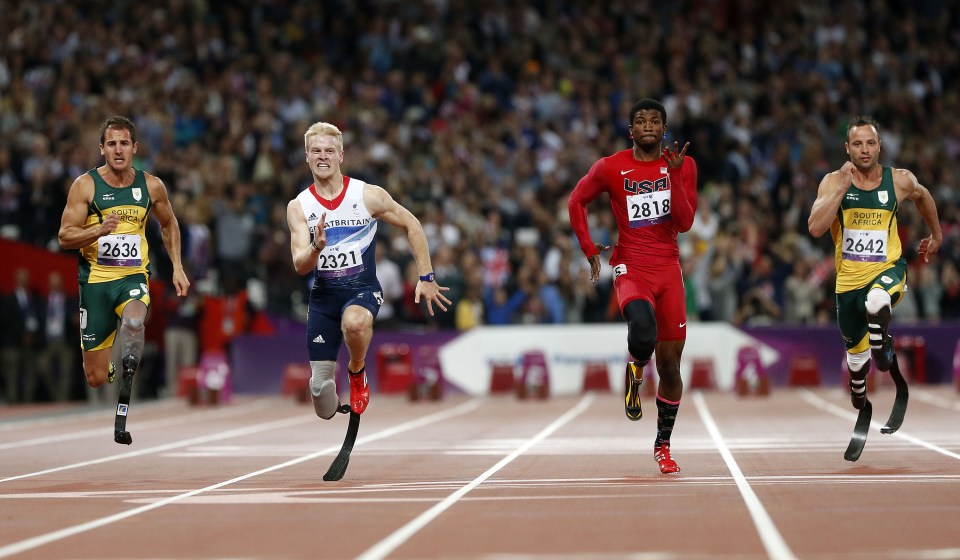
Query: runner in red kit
x,y
653,195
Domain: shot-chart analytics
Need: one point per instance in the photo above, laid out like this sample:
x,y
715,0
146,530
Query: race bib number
x,y
864,245
339,261
119,250
648,209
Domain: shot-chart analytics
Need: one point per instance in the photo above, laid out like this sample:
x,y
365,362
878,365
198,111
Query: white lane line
x,y
935,400
519,486
144,425
288,422
823,404
80,412
401,535
773,542
41,540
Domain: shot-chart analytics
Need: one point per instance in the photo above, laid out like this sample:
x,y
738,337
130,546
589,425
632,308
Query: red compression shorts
x,y
662,286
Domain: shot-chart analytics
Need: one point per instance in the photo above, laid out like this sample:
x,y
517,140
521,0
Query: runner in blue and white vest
x,y
333,227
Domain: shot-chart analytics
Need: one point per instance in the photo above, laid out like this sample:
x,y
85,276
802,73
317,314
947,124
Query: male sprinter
x,y
653,196
333,225
858,203
105,218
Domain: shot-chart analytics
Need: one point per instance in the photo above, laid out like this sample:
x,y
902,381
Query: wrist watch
x,y
428,277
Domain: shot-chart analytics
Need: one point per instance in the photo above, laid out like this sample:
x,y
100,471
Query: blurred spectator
x,y
181,344
410,311
483,139
551,298
195,237
58,350
757,309
11,193
502,307
391,282
469,310
234,235
21,334
223,317
950,301
439,231
800,295
724,270
449,275
275,271
532,311
930,292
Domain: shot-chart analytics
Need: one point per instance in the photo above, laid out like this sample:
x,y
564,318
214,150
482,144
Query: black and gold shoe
x,y
632,392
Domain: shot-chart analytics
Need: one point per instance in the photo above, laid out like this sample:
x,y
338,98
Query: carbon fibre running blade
x,y
899,402
120,433
860,431
339,466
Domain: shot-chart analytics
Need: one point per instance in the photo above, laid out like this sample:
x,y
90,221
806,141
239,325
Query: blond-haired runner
x,y
333,226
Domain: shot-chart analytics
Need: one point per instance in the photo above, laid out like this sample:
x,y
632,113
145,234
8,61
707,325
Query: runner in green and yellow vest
x,y
105,219
858,204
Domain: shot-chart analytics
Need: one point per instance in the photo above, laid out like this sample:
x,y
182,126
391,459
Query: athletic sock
x,y
666,417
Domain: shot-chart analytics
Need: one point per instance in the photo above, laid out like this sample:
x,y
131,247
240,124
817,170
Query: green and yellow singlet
x,y
125,251
865,234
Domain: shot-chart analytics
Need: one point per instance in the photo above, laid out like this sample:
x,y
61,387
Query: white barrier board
x,y
468,360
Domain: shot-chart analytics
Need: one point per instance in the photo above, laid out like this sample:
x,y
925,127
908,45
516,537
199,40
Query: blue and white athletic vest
x,y
348,259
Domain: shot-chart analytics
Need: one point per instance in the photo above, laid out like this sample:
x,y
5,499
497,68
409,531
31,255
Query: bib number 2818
x,y
648,209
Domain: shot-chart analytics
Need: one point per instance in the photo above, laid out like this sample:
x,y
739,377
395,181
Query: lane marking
x,y
47,538
80,412
773,542
252,495
934,399
401,535
285,423
288,422
143,425
823,404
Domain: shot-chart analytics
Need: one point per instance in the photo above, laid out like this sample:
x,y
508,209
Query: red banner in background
x,y
40,262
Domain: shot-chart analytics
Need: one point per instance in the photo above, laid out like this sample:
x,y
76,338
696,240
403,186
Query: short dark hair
x,y
862,120
118,122
646,105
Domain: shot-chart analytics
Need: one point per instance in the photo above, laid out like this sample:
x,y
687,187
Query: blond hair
x,y
325,129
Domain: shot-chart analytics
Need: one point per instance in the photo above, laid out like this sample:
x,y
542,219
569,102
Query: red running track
x,y
571,477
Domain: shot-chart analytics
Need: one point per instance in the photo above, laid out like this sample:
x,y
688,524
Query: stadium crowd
x,y
480,118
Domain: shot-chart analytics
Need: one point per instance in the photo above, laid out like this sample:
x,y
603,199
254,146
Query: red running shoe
x,y
662,454
359,391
